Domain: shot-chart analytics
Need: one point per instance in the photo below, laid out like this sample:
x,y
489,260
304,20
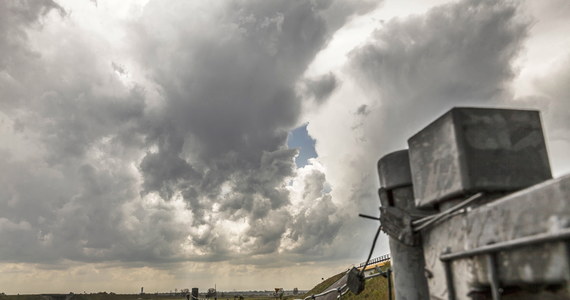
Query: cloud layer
x,y
166,145
156,135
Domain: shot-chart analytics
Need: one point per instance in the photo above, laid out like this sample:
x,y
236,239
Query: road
x,y
337,284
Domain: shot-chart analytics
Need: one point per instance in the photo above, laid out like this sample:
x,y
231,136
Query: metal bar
x,y
448,276
424,219
568,254
371,249
373,275
343,293
443,214
388,275
493,275
524,241
339,290
369,217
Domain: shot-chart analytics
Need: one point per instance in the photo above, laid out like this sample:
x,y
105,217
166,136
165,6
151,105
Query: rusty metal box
x,y
469,150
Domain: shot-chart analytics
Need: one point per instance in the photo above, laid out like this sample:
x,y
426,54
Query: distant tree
x,y
295,291
279,293
211,293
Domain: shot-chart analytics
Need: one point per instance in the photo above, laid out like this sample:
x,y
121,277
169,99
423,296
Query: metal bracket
x,y
396,222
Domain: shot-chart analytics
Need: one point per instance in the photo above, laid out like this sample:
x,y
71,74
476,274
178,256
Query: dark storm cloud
x,y
15,18
229,103
118,176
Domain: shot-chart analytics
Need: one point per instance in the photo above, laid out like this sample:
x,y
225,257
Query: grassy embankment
x,y
375,288
321,287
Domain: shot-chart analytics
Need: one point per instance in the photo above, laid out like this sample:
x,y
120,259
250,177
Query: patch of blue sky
x,y
299,138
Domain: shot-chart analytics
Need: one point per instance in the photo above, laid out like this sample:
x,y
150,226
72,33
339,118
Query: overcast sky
x,y
178,144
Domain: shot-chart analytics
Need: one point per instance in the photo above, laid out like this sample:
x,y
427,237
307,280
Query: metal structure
x,y
397,211
476,209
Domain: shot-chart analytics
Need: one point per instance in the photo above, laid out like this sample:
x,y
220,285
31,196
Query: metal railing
x,y
379,259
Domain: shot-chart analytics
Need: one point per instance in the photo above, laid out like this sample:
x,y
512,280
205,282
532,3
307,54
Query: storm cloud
x,y
146,137
170,148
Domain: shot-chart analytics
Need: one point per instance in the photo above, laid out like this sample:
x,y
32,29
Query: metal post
x,y
408,263
389,276
493,276
449,280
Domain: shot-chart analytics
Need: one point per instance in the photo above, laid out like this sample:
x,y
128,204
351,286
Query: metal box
x,y
394,170
469,150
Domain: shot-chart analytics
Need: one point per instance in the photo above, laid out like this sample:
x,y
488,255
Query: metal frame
x,y
490,250
501,246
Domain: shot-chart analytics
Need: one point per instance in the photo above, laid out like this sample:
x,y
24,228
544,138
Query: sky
x,y
300,139
178,144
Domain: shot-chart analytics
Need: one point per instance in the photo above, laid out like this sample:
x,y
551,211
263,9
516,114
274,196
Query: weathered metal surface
x,y
534,265
436,240
469,150
397,198
493,277
394,170
398,224
398,209
409,274
543,208
395,214
527,241
405,247
435,162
